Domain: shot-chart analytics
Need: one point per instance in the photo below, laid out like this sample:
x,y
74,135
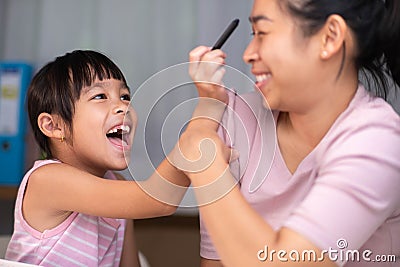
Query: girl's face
x,y
284,62
103,127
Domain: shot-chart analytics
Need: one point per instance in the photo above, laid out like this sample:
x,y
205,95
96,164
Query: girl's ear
x,y
51,126
333,36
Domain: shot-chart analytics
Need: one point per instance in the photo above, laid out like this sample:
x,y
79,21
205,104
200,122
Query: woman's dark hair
x,y
57,86
376,26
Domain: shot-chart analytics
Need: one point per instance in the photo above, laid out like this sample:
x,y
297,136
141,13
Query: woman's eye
x,y
126,97
257,34
99,96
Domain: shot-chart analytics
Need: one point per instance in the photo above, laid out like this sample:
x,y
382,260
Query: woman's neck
x,y
311,126
299,133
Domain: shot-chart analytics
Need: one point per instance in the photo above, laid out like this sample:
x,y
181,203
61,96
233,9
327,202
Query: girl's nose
x,y
121,107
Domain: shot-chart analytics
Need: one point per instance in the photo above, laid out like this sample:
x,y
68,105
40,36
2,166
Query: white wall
x,y
142,36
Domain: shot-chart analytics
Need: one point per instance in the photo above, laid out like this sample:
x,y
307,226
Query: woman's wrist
x,y
207,114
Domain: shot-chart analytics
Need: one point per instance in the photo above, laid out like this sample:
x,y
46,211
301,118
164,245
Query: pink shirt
x,y
81,240
345,195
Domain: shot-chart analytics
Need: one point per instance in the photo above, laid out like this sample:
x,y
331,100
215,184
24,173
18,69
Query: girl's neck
x,y
75,162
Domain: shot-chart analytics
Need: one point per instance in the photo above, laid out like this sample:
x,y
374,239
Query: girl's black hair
x,y
376,26
57,86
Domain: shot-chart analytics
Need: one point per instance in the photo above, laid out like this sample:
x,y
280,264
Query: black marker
x,y
222,39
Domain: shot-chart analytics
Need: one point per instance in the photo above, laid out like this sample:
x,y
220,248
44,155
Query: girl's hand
x,y
207,70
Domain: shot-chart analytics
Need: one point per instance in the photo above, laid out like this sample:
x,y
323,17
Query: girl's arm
x,y
130,253
55,190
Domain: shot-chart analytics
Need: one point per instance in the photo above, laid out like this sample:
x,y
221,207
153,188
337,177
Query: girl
x,y
330,195
66,214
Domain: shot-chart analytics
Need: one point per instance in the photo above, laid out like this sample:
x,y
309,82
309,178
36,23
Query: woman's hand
x,y
207,70
201,154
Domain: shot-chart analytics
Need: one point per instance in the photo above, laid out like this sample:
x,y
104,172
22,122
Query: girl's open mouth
x,y
119,136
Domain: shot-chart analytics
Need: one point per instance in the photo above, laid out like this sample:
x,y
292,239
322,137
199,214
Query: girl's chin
x,y
118,165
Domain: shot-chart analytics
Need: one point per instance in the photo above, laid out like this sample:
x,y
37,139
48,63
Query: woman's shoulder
x,y
369,112
369,126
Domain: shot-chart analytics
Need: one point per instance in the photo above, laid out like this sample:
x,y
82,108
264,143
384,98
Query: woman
x,y
330,195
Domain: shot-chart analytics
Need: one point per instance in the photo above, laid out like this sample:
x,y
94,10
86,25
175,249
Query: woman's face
x,y
284,62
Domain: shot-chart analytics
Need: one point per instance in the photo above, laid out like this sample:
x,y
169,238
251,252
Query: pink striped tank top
x,y
81,240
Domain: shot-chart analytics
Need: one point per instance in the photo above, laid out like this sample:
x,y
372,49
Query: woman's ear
x,y
51,126
333,36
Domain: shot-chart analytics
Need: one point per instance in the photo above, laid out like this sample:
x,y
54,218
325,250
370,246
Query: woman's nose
x,y
251,53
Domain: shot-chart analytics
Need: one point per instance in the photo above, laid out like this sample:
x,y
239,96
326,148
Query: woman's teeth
x,y
262,77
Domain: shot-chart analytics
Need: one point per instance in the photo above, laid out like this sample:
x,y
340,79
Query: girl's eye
x,y
126,97
100,96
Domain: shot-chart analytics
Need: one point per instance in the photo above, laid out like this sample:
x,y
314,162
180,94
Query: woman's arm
x,y
355,176
210,263
130,253
237,231
240,234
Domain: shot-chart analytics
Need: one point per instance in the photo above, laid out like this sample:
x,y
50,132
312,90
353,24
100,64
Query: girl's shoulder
x,y
36,165
111,175
40,163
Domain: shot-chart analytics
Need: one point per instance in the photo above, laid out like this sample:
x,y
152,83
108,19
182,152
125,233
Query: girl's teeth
x,y
124,128
112,131
124,143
